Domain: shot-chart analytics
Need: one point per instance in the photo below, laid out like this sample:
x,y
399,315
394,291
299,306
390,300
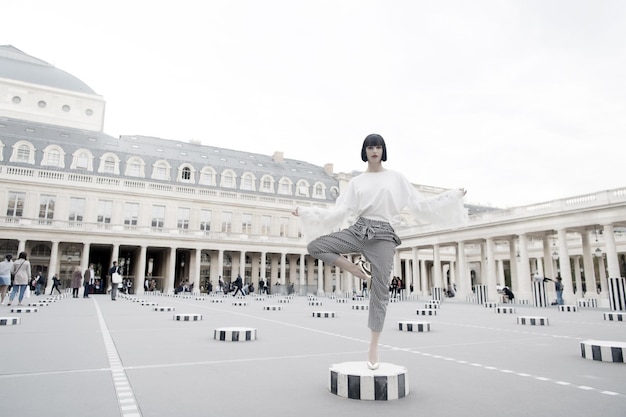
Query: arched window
x,y
135,167
267,184
229,179
319,190
207,176
83,160
109,164
23,152
247,182
161,170
186,173
284,186
53,156
302,188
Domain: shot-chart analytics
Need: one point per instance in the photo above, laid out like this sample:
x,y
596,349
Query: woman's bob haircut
x,y
373,140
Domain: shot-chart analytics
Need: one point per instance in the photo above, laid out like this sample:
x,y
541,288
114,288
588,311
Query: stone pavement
x,y
103,358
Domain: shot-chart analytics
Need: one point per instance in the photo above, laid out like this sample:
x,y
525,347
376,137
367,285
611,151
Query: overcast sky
x,y
520,102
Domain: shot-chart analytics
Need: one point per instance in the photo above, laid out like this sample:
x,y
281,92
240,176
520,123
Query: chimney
x,y
328,168
278,157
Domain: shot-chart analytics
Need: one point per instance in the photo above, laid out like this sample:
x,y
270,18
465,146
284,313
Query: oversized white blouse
x,y
382,196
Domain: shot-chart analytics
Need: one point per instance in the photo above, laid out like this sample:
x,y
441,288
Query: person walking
x,y
21,276
116,278
76,281
56,283
238,286
373,202
558,286
88,280
6,269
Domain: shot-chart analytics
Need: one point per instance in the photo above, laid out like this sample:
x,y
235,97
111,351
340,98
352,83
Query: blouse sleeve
x,y
445,210
318,221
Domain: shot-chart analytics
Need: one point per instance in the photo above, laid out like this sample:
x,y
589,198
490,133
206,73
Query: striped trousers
x,y
376,241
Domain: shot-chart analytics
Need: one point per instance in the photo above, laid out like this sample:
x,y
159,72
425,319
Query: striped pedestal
x,y
588,302
234,334
136,300
284,300
9,321
414,326
315,303
533,321
164,309
240,303
431,305
426,312
24,310
617,293
394,300
187,317
38,304
540,297
603,350
568,308
490,304
356,381
259,298
481,294
324,314
436,293
360,307
150,303
505,310
273,308
200,298
217,300
615,316
358,298
342,300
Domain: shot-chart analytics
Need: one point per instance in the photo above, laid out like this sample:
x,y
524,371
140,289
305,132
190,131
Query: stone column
x,y
577,277
220,265
242,265
302,271
416,269
547,256
140,270
283,268
263,268
169,281
590,273
566,270
463,285
492,289
194,274
52,265
320,277
500,268
424,290
523,283
438,280
611,251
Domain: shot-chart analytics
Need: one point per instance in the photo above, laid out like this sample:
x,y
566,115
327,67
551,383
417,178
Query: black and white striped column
x,y
617,293
540,297
234,334
481,294
356,381
603,350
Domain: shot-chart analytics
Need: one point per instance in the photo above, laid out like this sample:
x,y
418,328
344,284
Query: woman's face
x,y
374,153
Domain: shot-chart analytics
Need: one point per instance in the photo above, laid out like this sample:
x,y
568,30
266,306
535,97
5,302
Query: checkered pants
x,y
377,242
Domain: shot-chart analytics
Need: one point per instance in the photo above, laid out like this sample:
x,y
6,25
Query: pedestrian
x,y
373,201
6,269
364,289
21,276
89,278
56,283
238,286
558,286
116,279
40,283
77,277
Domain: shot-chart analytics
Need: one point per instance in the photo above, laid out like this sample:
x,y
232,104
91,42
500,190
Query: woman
x,y
22,273
77,277
374,201
56,282
6,268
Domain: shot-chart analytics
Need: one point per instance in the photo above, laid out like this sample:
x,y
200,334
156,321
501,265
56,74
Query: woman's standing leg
x,y
380,254
22,292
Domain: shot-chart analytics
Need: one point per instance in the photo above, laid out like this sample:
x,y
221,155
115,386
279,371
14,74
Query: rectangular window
x,y
23,154
284,226
205,220
227,220
109,165
266,225
183,218
105,209
15,207
246,223
131,214
46,209
158,217
77,209
82,161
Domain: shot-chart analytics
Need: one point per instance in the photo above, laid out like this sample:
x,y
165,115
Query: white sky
x,y
520,102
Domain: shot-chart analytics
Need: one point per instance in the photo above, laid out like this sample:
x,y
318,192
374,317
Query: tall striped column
x,y
617,293
540,298
481,294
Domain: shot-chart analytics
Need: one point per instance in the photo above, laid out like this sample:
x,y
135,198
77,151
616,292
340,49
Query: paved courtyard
x,y
97,357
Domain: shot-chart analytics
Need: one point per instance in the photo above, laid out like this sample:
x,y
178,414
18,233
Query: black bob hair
x,y
373,140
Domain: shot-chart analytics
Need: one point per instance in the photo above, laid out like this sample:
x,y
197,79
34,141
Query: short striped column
x,y
505,310
532,321
217,300
490,304
603,350
38,304
9,321
431,305
164,309
481,293
284,300
315,303
24,310
342,300
150,303
426,312
259,298
540,297
588,302
187,317
324,314
240,303
414,326
273,308
615,316
234,334
360,307
617,293
568,308
356,381
200,298
436,293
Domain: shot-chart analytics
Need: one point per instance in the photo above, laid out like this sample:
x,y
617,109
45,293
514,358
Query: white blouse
x,y
382,196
